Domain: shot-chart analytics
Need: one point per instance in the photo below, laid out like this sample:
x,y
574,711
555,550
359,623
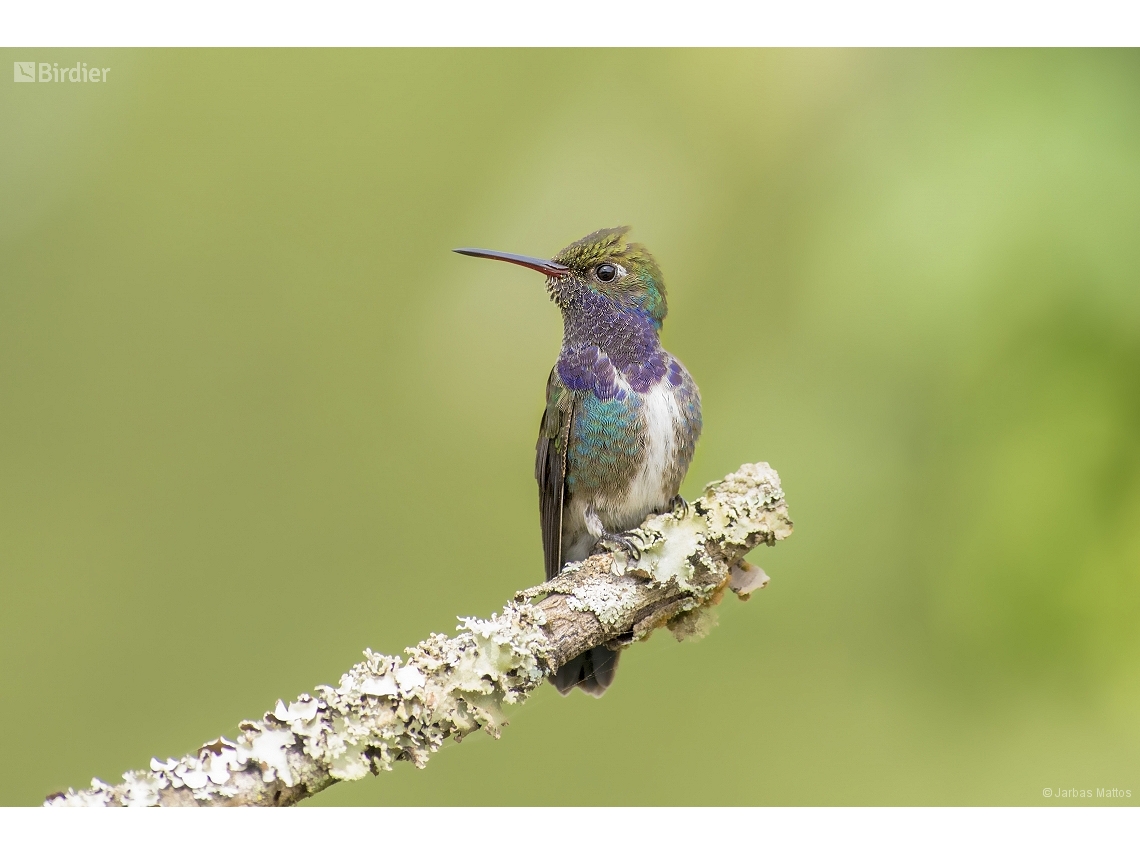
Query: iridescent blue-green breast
x,y
606,443
632,436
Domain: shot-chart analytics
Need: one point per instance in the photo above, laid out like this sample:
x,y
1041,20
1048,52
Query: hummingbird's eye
x,y
605,272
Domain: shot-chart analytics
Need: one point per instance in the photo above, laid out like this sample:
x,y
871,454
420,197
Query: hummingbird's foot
x,y
623,541
678,506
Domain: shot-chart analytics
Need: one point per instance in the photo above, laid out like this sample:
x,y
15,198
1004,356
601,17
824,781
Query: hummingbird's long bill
x,y
550,268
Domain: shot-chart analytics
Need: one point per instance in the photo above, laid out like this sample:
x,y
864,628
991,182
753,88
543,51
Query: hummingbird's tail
x,y
592,672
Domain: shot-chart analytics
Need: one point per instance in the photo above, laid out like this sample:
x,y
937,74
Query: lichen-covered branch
x,y
387,708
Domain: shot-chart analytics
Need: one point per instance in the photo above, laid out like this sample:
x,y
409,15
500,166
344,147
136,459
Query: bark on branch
x,y
387,708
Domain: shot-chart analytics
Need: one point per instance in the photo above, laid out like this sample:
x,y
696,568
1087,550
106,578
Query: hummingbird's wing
x,y
550,468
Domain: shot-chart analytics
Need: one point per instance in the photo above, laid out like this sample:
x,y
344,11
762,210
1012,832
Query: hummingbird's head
x,y
602,265
608,264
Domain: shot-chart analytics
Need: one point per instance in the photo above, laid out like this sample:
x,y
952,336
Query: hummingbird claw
x,y
624,542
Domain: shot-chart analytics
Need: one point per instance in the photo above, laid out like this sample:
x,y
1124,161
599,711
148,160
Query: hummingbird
x,y
622,414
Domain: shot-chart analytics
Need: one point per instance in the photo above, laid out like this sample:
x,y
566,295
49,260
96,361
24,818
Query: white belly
x,y
652,487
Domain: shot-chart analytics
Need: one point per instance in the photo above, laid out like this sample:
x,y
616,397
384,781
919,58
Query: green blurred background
x,y
242,377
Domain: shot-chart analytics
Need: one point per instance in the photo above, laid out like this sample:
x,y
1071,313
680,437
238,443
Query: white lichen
x,y
667,544
608,599
736,506
380,687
